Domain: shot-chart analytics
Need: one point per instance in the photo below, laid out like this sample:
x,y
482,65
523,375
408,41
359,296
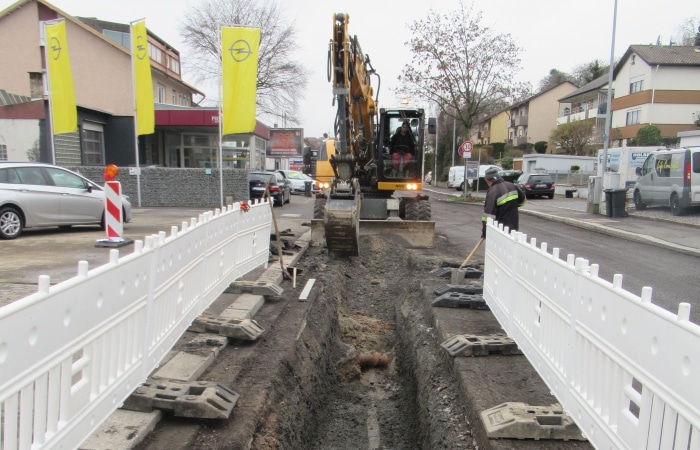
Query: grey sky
x,y
553,33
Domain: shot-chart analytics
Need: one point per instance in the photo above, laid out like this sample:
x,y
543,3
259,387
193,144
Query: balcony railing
x,y
520,121
520,140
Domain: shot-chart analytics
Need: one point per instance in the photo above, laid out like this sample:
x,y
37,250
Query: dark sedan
x,y
536,184
279,188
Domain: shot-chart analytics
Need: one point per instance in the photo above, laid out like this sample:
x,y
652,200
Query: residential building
x,y
100,57
655,85
533,119
491,128
589,102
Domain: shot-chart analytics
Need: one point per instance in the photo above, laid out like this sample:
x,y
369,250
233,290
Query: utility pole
x,y
454,139
608,112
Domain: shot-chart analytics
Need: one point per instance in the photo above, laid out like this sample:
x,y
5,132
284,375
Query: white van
x,y
455,178
669,178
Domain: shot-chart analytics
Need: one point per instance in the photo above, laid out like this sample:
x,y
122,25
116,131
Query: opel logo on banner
x,y
240,50
141,52
55,48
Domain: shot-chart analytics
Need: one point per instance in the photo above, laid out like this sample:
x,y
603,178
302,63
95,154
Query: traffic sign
x,y
465,149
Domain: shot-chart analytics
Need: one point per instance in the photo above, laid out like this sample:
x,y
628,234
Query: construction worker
x,y
503,199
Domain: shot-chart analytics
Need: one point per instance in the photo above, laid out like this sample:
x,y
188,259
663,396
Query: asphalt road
x,y
669,272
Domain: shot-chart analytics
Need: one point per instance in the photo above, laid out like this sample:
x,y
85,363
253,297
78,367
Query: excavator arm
x,y
350,72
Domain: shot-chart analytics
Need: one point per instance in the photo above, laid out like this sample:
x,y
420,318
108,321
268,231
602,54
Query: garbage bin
x,y
569,193
615,200
307,188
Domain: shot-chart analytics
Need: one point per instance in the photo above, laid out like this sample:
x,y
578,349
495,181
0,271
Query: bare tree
x,y
585,73
281,79
555,78
461,65
688,32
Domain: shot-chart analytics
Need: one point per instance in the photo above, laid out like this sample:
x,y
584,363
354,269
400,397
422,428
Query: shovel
x,y
285,274
476,247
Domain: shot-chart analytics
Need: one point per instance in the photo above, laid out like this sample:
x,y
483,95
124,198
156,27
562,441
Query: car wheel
x,y
461,187
676,205
11,223
639,204
550,196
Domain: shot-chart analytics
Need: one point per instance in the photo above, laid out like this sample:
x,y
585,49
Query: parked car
x,y
536,185
279,188
455,177
44,195
669,178
510,173
297,181
315,184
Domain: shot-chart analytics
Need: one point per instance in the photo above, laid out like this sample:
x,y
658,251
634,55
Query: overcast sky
x,y
557,34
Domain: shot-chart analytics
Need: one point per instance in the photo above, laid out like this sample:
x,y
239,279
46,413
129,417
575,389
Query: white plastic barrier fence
x,y
70,354
626,370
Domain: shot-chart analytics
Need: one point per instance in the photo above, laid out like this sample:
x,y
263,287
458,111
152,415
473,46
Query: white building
x,y
655,85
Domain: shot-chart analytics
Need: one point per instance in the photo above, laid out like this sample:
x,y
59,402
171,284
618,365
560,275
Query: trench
x,y
367,370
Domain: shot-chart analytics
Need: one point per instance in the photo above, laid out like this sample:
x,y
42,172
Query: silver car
x,y
297,181
43,195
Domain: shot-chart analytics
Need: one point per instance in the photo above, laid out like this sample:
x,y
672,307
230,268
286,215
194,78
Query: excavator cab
x,y
400,161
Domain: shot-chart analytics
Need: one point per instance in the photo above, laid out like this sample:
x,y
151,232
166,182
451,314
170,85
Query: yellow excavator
x,y
367,164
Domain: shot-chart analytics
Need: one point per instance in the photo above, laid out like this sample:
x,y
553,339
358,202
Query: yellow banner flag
x,y
64,113
141,64
239,55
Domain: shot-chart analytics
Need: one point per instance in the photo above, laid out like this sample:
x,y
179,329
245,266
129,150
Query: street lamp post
x,y
435,155
608,113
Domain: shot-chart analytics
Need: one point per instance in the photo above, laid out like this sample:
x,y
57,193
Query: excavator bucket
x,y
341,225
410,234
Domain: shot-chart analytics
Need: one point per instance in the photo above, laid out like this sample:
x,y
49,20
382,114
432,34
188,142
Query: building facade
x,y
186,135
655,85
490,129
533,119
589,102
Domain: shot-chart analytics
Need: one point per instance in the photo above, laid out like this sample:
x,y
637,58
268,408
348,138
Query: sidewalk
x,y
654,226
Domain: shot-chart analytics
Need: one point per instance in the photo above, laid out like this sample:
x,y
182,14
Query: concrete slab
x,y
123,430
250,303
184,367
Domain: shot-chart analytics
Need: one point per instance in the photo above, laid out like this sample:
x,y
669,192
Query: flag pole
x,y
136,122
48,92
221,120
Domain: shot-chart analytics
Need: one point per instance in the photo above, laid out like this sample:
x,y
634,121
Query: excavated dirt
x,y
357,366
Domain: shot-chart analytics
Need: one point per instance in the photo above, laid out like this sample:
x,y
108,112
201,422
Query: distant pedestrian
x,y
503,199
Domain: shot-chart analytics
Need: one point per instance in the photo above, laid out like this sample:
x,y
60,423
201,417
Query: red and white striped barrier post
x,y
113,210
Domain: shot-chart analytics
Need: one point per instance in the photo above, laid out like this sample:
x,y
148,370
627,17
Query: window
x,y
155,53
31,175
121,38
636,86
3,152
61,178
161,94
172,64
9,176
174,102
93,144
633,117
